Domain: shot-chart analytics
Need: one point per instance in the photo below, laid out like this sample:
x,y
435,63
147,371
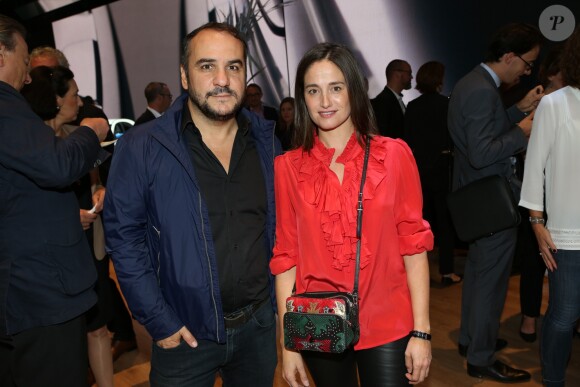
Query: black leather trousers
x,y
378,366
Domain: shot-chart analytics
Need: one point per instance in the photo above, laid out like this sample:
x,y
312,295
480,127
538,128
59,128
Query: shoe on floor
x,y
500,372
528,337
447,280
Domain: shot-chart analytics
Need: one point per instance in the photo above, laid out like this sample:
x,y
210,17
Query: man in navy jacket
x,y
189,221
46,269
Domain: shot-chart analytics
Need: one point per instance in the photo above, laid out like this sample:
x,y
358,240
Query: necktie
x,y
400,98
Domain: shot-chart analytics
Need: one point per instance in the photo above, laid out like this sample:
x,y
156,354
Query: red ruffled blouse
x,y
316,229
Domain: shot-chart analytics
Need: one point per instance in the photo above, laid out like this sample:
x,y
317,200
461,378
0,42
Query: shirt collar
x,y
492,73
398,95
154,112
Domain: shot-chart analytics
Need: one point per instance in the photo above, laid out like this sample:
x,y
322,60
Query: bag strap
x,y
359,215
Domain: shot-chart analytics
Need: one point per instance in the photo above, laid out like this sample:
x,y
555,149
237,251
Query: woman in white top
x,y
553,170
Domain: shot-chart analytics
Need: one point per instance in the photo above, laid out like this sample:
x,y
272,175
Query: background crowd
x,y
200,241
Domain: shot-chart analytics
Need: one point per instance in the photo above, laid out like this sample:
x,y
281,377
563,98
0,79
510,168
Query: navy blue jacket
x,y
46,266
157,227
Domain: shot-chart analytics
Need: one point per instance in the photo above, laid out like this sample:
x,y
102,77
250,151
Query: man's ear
x,y
184,82
507,58
2,53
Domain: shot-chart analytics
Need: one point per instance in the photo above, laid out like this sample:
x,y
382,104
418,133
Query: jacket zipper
x,y
209,268
158,255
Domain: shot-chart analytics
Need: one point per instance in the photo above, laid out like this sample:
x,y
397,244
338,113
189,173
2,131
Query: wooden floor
x,y
447,368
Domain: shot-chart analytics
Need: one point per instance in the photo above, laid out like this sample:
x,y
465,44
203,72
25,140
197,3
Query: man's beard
x,y
407,86
208,111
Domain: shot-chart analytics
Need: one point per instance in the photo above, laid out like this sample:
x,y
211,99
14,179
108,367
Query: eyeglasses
x,y
167,95
529,66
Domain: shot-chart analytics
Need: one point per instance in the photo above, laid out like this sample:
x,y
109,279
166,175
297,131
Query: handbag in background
x,y
327,321
483,207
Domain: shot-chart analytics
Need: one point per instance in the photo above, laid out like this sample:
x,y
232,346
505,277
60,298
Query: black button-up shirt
x,y
237,204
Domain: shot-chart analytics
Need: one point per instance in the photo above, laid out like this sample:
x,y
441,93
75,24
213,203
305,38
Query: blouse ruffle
x,y
337,204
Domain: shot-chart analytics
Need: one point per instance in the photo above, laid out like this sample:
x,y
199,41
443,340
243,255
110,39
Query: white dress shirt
x,y
155,112
400,99
553,159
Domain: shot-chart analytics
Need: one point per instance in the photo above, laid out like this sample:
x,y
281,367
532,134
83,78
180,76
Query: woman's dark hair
x,y
518,38
430,77
361,113
286,132
289,100
550,66
570,60
47,83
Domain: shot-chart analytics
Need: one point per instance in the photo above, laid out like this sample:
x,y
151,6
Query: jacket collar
x,y
167,130
485,74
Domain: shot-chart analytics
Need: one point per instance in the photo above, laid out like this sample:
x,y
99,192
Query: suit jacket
x,y
145,117
270,113
484,133
427,135
390,117
46,268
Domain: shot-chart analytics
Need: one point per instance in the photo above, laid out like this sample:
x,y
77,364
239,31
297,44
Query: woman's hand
x,y
417,360
292,364
87,218
546,245
98,199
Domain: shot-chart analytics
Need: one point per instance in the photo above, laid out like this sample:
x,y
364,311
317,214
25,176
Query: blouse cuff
x,y
282,262
416,243
531,206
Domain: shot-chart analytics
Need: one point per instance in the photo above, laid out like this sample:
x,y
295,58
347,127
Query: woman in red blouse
x,y
316,192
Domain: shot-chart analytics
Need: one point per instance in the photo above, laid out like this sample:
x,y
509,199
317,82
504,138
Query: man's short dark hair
x,y
47,83
518,38
153,89
256,86
394,65
220,27
8,28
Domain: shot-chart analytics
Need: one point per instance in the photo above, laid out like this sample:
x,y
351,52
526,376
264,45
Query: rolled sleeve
x,y
285,249
414,232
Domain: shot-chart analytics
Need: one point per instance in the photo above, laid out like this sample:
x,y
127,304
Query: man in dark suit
x,y
255,105
388,105
46,270
158,98
486,137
